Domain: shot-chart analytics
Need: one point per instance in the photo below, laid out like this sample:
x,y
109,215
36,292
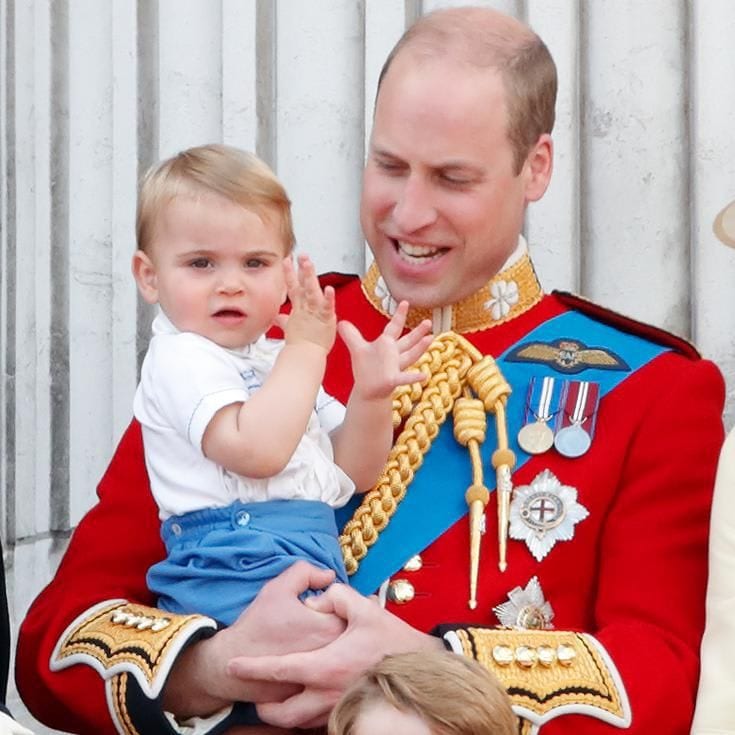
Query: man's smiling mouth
x,y
418,253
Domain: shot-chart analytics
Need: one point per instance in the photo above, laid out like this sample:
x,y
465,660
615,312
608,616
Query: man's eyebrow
x,y
380,151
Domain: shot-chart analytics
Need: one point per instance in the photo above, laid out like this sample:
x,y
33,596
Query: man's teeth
x,y
418,251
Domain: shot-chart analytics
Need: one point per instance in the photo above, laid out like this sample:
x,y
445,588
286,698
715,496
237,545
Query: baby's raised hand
x,y
312,318
380,366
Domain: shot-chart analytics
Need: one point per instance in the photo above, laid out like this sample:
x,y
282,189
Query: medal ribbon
x,y
543,400
580,399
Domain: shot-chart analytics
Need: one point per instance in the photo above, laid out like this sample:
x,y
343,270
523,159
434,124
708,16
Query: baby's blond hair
x,y
222,170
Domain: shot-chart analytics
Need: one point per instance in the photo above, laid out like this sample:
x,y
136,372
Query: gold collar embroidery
x,y
507,295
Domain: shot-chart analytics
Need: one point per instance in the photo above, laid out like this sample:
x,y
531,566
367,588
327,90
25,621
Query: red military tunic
x,y
632,576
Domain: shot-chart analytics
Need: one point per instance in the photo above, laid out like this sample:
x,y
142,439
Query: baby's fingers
x,y
406,377
418,334
350,336
412,352
317,301
292,283
395,326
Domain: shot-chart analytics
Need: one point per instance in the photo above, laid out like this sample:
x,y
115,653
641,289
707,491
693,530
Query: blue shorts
x,y
219,558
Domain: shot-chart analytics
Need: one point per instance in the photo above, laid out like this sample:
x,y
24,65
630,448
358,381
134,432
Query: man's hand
x,y
312,318
380,366
324,673
277,622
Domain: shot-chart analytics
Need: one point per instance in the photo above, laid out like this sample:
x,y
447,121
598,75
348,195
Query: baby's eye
x,y
255,263
200,263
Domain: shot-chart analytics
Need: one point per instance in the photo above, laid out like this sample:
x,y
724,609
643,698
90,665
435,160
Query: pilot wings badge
x,y
568,356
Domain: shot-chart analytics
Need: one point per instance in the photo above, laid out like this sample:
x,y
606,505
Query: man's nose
x,y
414,208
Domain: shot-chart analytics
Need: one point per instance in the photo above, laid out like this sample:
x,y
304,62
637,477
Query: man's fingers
x,y
291,667
310,708
342,600
303,576
320,603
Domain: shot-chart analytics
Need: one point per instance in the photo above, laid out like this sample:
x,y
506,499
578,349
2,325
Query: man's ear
x,y
145,276
538,168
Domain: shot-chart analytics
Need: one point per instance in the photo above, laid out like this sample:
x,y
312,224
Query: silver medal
x,y
572,441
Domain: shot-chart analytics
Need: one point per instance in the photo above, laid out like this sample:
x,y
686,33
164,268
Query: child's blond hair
x,y
234,174
452,694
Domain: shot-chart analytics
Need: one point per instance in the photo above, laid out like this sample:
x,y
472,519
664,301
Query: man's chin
x,y
418,297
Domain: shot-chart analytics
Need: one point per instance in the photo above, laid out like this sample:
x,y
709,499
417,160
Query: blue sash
x,y
432,505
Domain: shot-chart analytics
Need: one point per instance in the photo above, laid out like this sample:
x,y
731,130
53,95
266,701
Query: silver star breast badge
x,y
526,609
543,513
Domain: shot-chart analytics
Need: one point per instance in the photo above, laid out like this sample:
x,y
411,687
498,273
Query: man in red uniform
x,y
554,500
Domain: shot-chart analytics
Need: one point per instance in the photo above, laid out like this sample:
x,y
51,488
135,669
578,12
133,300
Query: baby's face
x,y
218,269
384,718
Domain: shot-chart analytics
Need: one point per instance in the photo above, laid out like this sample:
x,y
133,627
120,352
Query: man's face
x,y
442,206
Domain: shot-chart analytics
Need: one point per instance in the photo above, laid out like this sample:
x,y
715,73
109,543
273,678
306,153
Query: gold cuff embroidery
x,y
117,691
549,672
116,636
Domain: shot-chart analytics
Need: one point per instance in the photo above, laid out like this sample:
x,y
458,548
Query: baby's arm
x,y
258,437
361,444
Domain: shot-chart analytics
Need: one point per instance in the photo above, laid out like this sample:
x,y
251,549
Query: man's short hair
x,y
489,39
238,176
454,695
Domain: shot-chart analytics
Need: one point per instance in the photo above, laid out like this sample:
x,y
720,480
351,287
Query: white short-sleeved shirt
x,y
185,380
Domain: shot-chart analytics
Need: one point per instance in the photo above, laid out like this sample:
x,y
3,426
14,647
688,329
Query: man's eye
x,y
457,181
389,166
200,263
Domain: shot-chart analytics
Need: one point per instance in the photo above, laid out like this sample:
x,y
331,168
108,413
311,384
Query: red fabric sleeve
x,y
649,608
108,557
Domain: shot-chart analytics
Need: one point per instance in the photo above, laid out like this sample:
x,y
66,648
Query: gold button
x,y
160,624
546,655
413,564
566,654
503,655
400,591
526,656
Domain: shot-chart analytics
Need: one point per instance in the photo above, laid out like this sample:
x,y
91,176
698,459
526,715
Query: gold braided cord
x,y
470,427
493,390
448,362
